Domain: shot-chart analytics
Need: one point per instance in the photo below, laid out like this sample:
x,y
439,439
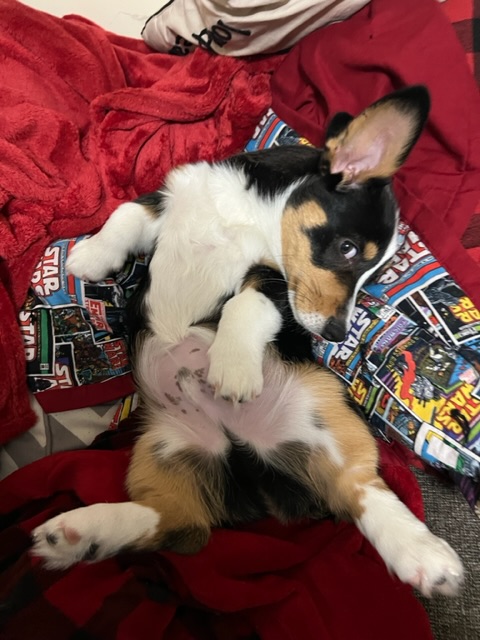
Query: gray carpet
x,y
449,516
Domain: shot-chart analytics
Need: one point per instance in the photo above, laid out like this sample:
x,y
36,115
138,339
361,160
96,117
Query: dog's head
x,y
339,226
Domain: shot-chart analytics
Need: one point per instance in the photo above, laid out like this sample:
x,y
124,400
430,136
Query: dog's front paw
x,y
67,539
92,260
234,375
430,565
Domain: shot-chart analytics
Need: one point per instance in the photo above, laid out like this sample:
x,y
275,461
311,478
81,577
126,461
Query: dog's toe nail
x,y
52,539
91,552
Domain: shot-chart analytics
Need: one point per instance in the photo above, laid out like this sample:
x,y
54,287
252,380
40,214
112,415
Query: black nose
x,y
334,330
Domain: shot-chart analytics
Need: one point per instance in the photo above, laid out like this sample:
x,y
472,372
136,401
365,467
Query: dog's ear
x,y
338,124
378,141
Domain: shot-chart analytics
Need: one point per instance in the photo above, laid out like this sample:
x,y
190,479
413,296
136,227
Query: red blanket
x,y
385,46
309,581
465,17
87,120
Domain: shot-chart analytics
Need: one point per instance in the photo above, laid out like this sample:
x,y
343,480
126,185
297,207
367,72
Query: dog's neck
x,y
270,224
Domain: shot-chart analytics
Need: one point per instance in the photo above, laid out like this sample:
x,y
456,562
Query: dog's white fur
x,y
409,549
110,526
203,251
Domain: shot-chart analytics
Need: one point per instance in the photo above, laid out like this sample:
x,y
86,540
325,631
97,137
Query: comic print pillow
x,y
74,333
412,355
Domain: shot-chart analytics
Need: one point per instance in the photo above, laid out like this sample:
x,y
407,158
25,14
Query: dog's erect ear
x,y
378,141
338,124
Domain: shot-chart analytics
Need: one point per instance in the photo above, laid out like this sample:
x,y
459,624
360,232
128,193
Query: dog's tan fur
x,y
386,120
315,289
341,484
370,251
172,488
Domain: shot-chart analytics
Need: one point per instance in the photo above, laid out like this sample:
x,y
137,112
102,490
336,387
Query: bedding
x,y
89,119
412,355
139,113
277,578
240,27
263,581
74,332
465,17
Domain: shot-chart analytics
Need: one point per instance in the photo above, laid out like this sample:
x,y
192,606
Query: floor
x,y
122,16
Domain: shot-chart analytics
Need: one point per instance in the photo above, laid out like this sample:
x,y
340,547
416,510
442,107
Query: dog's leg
x,y
131,229
344,470
92,533
168,511
249,322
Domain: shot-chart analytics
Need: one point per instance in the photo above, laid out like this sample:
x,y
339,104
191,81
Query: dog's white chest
x,y
213,229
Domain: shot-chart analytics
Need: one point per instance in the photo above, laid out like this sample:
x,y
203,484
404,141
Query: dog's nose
x,y
334,330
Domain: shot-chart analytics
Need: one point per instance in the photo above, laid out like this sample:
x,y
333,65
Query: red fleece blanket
x,y
308,581
88,120
385,46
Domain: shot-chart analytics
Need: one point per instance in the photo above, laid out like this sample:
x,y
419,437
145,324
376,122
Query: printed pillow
x,y
412,355
74,333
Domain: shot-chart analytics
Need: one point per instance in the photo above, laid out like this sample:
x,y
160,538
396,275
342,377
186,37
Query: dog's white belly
x,y
193,417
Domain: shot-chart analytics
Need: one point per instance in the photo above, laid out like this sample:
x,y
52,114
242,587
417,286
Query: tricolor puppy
x,y
272,246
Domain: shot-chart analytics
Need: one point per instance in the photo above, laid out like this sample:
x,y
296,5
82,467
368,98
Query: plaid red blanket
x,y
465,18
306,581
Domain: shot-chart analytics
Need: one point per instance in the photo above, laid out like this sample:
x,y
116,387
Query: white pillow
x,y
240,27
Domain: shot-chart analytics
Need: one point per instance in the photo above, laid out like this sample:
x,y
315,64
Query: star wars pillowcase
x,y
412,355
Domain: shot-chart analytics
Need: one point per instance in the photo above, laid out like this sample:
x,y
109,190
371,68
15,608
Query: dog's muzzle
x,y
334,330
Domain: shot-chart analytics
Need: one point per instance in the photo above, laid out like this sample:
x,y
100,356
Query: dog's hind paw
x,y
60,542
430,565
93,533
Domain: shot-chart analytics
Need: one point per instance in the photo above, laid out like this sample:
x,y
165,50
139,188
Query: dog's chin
x,y
312,328
317,325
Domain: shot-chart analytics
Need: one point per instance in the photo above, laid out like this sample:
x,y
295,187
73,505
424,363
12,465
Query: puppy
x,y
274,245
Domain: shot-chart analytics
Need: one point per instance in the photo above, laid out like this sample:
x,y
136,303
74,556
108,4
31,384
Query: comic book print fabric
x,y
74,331
412,355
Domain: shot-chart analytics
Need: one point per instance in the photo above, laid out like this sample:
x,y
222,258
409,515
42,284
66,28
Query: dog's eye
x,y
349,249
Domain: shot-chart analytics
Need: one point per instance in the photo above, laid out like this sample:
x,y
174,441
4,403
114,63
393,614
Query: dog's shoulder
x,y
273,170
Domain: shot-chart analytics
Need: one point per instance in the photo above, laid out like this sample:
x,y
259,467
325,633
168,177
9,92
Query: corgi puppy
x,y
272,247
